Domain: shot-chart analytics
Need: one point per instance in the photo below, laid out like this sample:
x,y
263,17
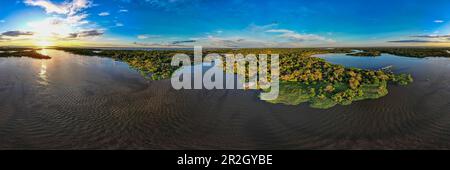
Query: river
x,y
80,102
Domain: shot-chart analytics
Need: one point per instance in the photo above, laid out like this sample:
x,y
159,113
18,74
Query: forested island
x,y
303,78
371,53
22,52
417,52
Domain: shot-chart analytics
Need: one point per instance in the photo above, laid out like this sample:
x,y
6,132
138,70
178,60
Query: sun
x,y
44,43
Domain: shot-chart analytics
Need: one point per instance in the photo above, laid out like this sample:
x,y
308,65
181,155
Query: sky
x,y
224,23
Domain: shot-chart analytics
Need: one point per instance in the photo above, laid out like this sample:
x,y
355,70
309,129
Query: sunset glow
x,y
44,43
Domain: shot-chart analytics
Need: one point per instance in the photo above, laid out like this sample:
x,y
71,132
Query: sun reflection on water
x,y
43,51
43,74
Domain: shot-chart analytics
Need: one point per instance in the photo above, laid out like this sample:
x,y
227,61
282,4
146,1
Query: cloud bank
x,y
433,38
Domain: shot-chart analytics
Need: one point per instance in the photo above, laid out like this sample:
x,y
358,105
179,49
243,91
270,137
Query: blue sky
x,y
225,23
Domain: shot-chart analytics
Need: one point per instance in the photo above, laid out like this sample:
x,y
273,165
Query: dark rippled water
x,y
79,102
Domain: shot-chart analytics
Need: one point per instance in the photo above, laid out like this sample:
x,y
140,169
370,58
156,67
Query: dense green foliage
x,y
370,53
325,85
21,52
414,52
303,78
340,93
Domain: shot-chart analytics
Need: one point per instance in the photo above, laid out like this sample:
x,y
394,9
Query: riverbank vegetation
x,y
303,78
154,65
22,52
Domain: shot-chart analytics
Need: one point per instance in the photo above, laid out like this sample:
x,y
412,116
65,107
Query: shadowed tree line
x,y
22,52
417,52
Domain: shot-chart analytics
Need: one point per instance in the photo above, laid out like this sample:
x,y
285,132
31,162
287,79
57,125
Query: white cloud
x,y
294,36
280,31
48,6
234,42
141,37
71,12
123,10
303,37
438,21
67,8
158,45
146,36
77,20
259,28
432,36
78,5
119,24
103,14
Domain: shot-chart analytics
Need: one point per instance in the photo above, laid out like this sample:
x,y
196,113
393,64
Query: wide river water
x,y
81,102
